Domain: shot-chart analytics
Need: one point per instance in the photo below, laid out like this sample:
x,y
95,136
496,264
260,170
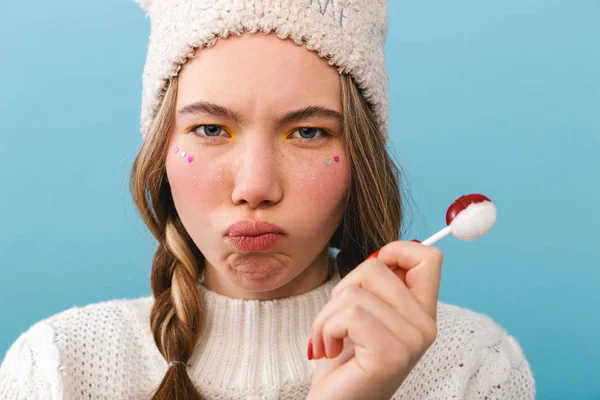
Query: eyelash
x,y
325,134
192,130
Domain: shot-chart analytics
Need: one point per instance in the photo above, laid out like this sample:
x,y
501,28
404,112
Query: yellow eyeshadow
x,y
231,133
285,135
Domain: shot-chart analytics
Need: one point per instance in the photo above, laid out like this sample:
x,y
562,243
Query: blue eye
x,y
207,131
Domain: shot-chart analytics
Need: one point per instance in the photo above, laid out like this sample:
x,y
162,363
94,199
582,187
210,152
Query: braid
x,y
177,312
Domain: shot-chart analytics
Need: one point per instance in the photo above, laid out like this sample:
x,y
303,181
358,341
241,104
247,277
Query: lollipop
x,y
468,218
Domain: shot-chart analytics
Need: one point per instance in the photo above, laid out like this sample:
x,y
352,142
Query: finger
x,y
375,344
423,265
358,325
377,278
325,366
400,273
353,295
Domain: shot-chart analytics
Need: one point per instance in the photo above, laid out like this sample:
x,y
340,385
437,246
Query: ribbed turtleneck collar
x,y
257,344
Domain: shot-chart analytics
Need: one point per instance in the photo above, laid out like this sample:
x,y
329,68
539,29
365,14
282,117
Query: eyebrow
x,y
204,107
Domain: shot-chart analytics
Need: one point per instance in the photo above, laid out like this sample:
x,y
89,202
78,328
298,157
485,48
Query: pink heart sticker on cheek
x,y
190,159
336,159
176,150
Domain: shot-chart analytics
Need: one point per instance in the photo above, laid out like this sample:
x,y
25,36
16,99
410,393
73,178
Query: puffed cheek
x,y
192,182
326,183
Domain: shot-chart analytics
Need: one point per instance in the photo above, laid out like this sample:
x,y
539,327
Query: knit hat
x,y
349,33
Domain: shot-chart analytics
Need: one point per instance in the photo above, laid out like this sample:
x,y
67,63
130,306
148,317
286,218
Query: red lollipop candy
x,y
470,217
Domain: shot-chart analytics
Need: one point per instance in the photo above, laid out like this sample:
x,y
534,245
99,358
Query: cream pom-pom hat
x,y
350,34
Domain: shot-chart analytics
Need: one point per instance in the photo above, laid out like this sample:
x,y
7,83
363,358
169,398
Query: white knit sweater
x,y
250,349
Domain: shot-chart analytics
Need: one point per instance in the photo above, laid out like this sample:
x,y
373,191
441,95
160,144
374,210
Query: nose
x,y
257,181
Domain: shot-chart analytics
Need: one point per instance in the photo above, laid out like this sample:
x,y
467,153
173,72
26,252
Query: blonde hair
x,y
372,218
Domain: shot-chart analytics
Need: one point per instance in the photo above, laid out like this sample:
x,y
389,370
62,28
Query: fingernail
x,y
416,241
310,351
374,255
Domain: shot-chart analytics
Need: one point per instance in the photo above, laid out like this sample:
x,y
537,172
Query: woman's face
x,y
257,138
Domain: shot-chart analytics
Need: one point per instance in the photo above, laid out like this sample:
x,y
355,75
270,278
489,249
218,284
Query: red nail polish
x,y
374,255
310,350
416,241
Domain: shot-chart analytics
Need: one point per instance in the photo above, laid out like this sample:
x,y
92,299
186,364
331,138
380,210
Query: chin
x,y
256,275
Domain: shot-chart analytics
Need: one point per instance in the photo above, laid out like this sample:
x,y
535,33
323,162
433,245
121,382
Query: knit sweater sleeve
x,y
503,373
472,358
30,369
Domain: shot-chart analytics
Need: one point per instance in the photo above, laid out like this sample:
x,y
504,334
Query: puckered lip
x,y
253,228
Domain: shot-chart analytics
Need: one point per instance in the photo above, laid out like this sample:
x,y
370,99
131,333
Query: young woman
x,y
263,151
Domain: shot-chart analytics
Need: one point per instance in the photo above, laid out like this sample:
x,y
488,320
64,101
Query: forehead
x,y
259,68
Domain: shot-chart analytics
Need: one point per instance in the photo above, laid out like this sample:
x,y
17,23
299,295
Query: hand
x,y
379,322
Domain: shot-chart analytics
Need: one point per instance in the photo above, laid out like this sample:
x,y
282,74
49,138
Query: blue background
x,y
501,98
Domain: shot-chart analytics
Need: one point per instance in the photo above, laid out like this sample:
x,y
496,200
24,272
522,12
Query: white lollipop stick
x,y
437,236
